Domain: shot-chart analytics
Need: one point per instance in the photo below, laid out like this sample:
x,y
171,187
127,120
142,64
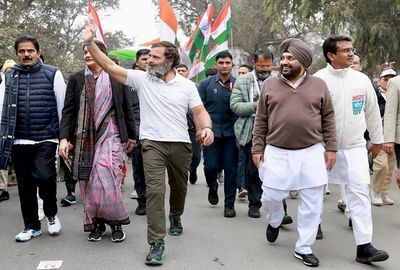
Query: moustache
x,y
27,58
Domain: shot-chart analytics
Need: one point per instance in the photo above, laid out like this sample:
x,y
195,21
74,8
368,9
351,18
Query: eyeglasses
x,y
346,50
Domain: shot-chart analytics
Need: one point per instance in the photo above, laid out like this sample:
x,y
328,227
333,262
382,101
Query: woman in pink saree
x,y
98,124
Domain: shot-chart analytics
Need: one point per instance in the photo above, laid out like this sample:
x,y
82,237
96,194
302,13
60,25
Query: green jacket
x,y
242,105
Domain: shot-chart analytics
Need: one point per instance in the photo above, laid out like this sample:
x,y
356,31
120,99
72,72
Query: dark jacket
x,y
37,117
216,100
381,101
122,105
30,113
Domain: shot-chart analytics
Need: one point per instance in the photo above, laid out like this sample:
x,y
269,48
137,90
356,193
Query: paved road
x,y
209,241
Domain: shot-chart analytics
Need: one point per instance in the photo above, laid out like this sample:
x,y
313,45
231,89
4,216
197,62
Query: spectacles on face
x,y
28,51
346,50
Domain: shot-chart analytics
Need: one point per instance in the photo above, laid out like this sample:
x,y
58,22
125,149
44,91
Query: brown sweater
x,y
294,119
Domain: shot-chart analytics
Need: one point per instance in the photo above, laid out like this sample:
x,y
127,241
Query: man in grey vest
x,y
33,101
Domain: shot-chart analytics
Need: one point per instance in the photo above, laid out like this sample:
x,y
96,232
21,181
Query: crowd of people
x,y
270,134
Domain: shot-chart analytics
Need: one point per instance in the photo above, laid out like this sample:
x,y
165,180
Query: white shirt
x,y
163,106
356,106
59,92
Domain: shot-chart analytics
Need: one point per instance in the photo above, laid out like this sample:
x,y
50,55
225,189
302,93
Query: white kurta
x,y
351,165
284,169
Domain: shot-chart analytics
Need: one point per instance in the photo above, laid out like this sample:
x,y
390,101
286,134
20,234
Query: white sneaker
x,y
376,199
220,177
53,225
134,195
386,200
40,213
27,235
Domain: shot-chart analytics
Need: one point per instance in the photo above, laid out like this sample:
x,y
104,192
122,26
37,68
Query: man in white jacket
x,y
356,109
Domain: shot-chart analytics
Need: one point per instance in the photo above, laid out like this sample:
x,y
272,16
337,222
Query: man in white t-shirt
x,y
164,98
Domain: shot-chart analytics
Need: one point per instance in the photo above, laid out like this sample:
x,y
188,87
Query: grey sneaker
x,y
156,254
175,227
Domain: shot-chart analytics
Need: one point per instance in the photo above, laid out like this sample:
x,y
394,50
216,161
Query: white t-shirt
x,y
163,106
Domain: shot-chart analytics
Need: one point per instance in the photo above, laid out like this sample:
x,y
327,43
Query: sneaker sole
x,y
377,204
254,216
155,262
65,202
118,240
388,203
305,263
96,239
174,233
377,258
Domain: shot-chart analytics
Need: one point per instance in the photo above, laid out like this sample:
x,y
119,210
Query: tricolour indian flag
x,y
168,23
199,40
222,25
94,18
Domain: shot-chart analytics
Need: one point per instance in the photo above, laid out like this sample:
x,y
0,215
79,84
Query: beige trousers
x,y
382,172
3,179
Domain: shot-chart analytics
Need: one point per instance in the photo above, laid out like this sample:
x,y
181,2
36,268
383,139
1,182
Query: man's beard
x,y
292,73
158,71
262,76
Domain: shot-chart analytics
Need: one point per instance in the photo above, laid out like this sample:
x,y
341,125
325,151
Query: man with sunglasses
x,y
356,109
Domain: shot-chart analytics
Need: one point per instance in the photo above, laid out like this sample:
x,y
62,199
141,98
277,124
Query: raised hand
x,y
88,32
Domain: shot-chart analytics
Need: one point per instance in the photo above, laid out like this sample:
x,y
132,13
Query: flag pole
x,y
200,58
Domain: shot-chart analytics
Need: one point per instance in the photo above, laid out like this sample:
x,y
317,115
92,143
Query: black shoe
x,y
287,220
229,212
193,178
156,254
367,254
68,200
320,234
272,233
117,234
254,212
141,209
4,195
98,232
213,196
350,224
341,206
175,227
308,259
